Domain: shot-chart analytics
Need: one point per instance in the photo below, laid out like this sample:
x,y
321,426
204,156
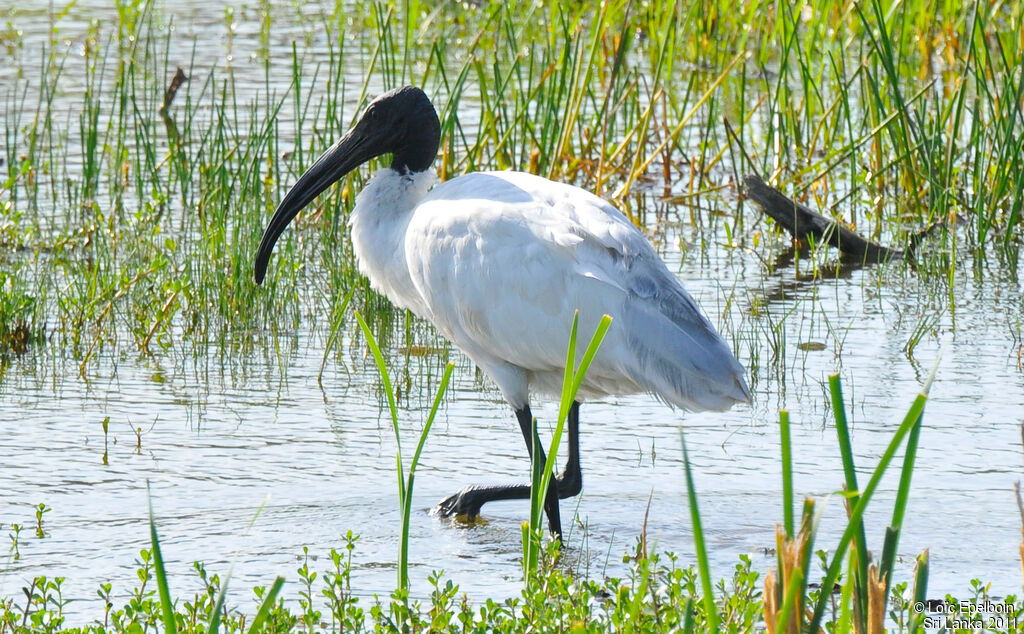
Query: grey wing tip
x,y
741,384
729,392
739,391
734,394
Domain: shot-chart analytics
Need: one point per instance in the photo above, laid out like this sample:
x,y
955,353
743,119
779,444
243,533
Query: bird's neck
x,y
378,222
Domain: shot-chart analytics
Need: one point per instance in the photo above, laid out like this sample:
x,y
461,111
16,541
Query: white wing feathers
x,y
502,260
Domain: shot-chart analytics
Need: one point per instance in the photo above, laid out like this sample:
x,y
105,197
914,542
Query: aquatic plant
x,y
406,480
133,221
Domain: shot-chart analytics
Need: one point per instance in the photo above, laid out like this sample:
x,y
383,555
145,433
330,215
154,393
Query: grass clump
x,y
19,317
864,599
144,204
657,594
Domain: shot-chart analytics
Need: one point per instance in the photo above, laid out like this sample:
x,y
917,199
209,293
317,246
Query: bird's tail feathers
x,y
678,356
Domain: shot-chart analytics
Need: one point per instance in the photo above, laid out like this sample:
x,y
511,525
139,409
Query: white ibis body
x,y
499,262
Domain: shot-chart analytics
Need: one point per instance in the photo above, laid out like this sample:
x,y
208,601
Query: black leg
x,y
533,444
570,483
469,500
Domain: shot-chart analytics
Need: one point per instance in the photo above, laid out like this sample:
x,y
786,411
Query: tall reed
x,y
406,479
542,474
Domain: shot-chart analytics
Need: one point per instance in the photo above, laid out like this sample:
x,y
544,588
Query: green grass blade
x,y
166,606
403,493
403,559
218,606
588,357
405,482
539,480
850,472
808,524
920,592
892,536
916,409
688,620
573,379
532,528
568,378
698,543
543,474
845,622
888,561
385,378
787,473
445,378
266,606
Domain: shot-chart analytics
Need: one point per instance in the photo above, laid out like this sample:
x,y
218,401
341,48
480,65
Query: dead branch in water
x,y
805,224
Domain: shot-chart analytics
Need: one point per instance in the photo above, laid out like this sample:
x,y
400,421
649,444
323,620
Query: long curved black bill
x,y
348,153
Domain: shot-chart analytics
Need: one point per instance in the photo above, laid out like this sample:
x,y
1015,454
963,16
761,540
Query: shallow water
x,y
215,445
222,434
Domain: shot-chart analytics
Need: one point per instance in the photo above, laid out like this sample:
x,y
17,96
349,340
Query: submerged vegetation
x,y
140,162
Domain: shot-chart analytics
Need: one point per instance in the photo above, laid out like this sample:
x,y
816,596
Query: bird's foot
x,y
463,505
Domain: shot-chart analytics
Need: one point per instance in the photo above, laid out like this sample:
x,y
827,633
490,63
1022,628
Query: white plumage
x,y
500,262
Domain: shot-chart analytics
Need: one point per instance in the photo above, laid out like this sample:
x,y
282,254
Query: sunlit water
x,y
222,435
